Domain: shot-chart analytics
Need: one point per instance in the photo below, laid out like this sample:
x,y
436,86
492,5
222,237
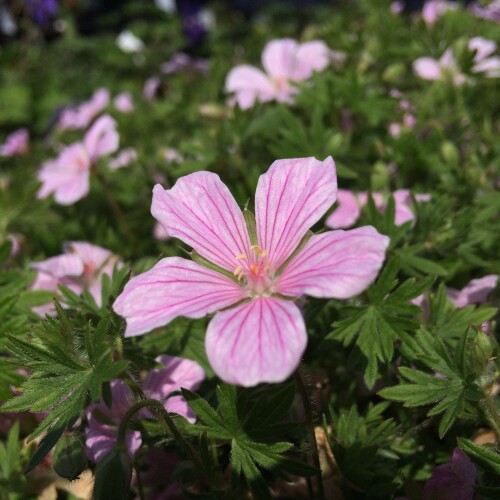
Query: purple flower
x,y
258,334
159,384
182,62
43,11
452,480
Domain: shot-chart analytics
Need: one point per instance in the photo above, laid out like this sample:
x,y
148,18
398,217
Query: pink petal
x,y
201,211
278,58
60,266
427,68
178,405
337,264
310,57
482,47
260,341
347,211
102,138
403,213
292,196
249,84
476,292
489,66
174,287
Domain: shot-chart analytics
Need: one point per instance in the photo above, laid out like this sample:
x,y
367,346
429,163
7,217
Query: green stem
x,y
115,207
165,419
306,402
492,410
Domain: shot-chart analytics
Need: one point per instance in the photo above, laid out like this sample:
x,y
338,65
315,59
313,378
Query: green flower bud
x,y
113,475
394,73
450,153
69,459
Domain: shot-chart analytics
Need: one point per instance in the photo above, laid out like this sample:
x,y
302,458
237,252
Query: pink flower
x,y
124,102
454,479
68,177
476,292
16,143
286,62
80,268
482,63
490,11
434,9
151,87
124,159
80,116
159,385
182,62
397,7
262,337
349,207
171,155
446,67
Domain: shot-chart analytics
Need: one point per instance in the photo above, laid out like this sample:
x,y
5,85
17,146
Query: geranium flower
x,y
482,62
434,9
81,116
80,268
124,102
454,479
183,62
258,273
68,177
159,384
490,11
442,69
349,205
151,88
16,143
476,292
124,158
286,62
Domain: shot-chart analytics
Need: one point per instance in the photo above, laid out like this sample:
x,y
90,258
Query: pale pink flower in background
x,y
16,144
397,7
349,205
159,384
286,62
442,69
172,155
490,11
476,292
452,480
81,116
151,87
482,62
262,337
160,233
80,268
124,158
68,176
182,62
124,102
434,9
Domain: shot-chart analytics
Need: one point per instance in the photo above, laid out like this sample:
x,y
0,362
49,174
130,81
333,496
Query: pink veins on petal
x,y
262,337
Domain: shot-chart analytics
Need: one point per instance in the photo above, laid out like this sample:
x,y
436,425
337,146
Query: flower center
x,y
253,270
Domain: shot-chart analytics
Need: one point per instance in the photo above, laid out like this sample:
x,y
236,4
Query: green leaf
x,y
481,455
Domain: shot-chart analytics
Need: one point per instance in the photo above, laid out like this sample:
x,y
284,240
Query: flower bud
x,y
113,475
449,152
394,73
69,459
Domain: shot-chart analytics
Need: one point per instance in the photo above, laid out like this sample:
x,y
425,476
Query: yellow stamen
x,y
258,250
242,256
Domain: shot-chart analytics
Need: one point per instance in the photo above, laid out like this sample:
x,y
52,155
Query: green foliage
x,y
376,326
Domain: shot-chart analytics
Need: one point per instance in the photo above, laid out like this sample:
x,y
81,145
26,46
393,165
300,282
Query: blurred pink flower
x,y
80,116
68,176
490,11
397,7
286,62
171,155
16,143
80,268
124,102
442,69
349,205
150,89
182,62
482,62
124,158
434,9
159,384
263,336
454,480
